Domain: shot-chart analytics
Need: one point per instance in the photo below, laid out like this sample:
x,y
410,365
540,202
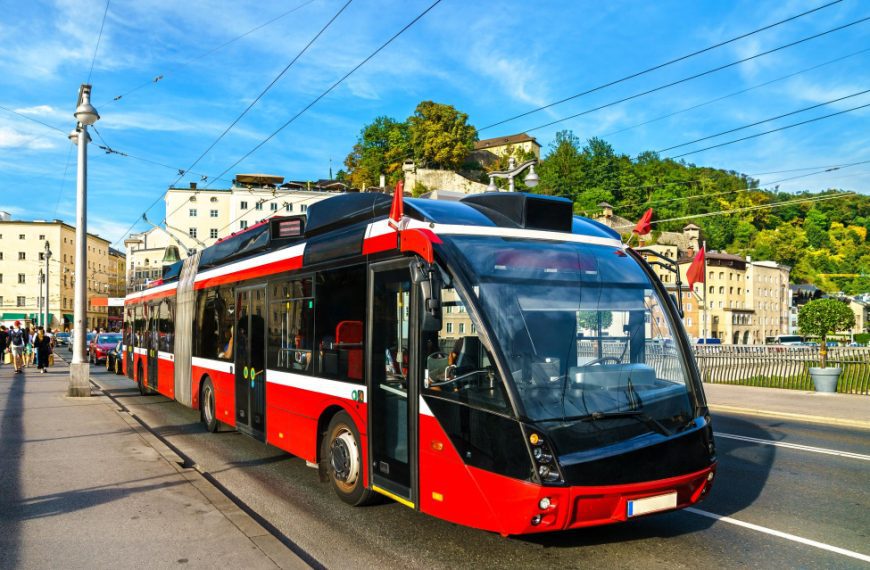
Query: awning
x,y
68,317
8,316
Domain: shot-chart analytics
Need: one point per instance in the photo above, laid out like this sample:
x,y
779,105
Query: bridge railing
x,y
782,366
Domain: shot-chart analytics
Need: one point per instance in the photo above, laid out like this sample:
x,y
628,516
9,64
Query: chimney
x,y
193,185
383,181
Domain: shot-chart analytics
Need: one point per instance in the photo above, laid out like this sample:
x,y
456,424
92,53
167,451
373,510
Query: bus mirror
x,y
428,279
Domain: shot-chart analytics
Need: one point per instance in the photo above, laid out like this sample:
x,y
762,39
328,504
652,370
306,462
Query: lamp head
x,y
492,187
85,113
532,179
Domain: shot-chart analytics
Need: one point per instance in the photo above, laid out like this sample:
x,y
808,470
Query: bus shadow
x,y
741,476
11,454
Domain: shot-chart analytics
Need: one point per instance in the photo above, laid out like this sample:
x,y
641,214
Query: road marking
x,y
799,447
785,535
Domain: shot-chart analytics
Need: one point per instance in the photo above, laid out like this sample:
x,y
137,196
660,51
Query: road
x,y
807,481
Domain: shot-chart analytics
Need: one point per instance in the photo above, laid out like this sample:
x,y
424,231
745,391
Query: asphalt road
x,y
807,493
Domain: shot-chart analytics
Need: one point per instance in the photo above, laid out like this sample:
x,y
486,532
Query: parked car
x,y
115,359
100,345
710,340
88,339
61,339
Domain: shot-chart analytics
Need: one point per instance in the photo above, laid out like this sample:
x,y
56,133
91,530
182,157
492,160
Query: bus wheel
x,y
140,382
343,456
207,406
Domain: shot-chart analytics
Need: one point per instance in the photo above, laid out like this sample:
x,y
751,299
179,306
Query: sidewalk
x,y
83,485
831,409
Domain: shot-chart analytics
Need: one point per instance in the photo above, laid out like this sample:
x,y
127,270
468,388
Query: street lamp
x,y
79,370
46,322
531,180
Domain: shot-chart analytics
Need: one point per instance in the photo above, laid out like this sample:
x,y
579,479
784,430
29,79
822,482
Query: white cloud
x,y
11,138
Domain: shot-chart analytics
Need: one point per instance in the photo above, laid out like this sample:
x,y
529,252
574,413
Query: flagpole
x,y
704,249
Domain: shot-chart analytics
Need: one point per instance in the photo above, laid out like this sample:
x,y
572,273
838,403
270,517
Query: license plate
x,y
646,505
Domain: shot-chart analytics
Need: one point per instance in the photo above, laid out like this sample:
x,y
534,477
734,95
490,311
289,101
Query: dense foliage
x,y
822,317
824,242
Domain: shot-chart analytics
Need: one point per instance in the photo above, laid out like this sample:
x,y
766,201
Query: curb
x,y
824,420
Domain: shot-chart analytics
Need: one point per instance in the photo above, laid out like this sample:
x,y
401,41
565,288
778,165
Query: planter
x,y
825,379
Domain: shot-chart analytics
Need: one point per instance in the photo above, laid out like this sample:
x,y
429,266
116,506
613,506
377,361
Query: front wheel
x,y
207,406
343,456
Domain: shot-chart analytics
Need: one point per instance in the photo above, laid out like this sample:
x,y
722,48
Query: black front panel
x,y
679,455
483,439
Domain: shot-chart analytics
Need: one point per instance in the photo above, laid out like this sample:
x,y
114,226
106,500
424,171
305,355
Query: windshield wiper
x,y
642,417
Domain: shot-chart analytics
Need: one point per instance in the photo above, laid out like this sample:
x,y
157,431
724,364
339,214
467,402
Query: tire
x,y
108,365
341,451
207,406
140,381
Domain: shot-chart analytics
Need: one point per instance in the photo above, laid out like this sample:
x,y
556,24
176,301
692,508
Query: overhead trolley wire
x,y
771,131
765,120
661,65
735,93
329,90
99,37
697,75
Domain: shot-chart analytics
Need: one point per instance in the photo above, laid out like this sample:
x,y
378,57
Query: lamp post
x,y
531,179
79,370
46,321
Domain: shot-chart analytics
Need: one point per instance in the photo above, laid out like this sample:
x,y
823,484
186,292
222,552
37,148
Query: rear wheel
x,y
343,456
207,406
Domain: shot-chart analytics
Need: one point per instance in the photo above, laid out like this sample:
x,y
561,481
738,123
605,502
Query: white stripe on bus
x,y
140,350
799,447
449,229
280,255
315,384
166,355
215,365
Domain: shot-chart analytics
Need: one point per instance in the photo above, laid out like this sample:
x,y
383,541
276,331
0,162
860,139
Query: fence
x,y
782,366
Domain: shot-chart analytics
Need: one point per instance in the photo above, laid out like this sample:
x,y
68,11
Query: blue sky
x,y
492,60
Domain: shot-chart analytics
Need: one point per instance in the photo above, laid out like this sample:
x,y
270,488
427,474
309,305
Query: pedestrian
x,y
28,348
42,349
4,341
17,342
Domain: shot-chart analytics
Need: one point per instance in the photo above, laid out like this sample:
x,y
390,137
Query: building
x,y
198,217
22,258
500,146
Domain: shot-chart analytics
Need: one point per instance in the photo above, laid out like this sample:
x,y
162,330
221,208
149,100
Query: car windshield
x,y
584,333
109,338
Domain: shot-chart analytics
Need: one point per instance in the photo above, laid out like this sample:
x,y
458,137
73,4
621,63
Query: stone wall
x,y
440,180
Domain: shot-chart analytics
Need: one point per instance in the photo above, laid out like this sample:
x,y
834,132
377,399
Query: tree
x,y
381,148
822,317
440,136
561,170
591,320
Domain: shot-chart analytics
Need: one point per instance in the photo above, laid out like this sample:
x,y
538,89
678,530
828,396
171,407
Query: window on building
x,y
213,199
450,328
41,237
721,290
288,207
258,205
273,206
41,256
243,224
461,328
20,236
730,290
1,278
193,212
21,278
21,256
304,208
213,213
1,256
191,232
688,321
213,233
19,301
243,205
722,276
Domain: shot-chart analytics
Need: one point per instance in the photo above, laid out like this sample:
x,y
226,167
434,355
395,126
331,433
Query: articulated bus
x,y
494,361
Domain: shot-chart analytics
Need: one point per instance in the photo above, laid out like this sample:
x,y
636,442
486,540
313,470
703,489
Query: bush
x,y
823,317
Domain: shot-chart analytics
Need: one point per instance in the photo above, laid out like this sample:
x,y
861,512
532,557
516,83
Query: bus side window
x,y
291,326
214,323
340,323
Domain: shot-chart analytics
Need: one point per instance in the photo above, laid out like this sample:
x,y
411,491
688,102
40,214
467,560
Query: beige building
x,y
501,146
22,257
198,217
769,297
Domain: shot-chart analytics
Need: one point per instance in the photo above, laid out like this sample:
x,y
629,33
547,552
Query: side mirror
x,y
427,277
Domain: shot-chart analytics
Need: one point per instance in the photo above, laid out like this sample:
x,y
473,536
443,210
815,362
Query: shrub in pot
x,y
820,318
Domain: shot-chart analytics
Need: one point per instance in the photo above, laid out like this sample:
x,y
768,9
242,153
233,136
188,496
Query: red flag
x,y
643,226
397,210
695,272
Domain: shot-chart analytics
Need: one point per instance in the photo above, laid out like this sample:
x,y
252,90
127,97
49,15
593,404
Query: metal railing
x,y
782,366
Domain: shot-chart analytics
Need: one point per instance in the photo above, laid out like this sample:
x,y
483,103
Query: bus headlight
x,y
544,503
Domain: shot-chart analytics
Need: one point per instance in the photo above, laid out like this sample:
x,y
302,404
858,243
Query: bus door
x,y
129,341
392,408
249,339
151,346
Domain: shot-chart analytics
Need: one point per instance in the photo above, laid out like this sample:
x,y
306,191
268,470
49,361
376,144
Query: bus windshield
x,y
585,335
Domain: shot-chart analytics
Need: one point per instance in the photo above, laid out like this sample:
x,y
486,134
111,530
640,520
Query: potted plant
x,y
821,318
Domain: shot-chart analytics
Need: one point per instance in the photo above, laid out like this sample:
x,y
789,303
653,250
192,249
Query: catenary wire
x,y
735,93
726,143
99,37
331,87
23,116
697,75
161,76
659,66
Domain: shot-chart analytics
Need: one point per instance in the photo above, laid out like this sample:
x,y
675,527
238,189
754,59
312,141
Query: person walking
x,y
42,349
4,342
28,348
17,342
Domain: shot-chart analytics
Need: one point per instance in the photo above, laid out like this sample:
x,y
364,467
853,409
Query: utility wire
x,y
660,66
209,52
99,37
759,207
333,86
735,93
765,121
697,75
771,131
23,116
264,91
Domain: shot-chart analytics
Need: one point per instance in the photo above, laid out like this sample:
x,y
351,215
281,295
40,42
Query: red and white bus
x,y
495,361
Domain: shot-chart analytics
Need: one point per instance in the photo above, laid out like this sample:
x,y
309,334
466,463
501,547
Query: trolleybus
x,y
494,361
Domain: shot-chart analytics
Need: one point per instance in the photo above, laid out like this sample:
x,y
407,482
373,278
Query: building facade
x,y
22,258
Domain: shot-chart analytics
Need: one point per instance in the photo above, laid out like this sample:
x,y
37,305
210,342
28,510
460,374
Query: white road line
x,y
838,453
785,535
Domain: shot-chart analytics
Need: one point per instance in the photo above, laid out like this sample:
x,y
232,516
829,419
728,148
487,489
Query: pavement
x,y
85,485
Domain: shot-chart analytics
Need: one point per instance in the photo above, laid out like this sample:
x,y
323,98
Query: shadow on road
x,y
11,445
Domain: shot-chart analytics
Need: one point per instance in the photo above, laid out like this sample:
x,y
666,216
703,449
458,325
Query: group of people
x,y
27,346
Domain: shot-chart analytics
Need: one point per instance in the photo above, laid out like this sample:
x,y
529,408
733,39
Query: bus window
x,y
166,326
339,322
291,326
214,323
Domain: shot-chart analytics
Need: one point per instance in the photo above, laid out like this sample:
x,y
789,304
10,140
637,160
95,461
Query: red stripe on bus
x,y
419,241
377,244
258,271
150,296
